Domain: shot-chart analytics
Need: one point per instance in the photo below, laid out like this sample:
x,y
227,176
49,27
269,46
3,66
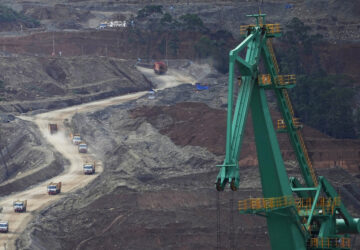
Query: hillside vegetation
x,y
10,16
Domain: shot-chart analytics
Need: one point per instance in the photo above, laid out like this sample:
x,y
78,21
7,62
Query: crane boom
x,y
307,214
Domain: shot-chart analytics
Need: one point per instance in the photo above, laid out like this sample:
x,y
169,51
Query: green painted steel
x,y
315,219
229,171
291,128
283,230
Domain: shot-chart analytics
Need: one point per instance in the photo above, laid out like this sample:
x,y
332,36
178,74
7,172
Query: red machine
x,y
160,68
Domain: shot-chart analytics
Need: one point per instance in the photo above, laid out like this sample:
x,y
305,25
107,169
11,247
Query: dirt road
x,y
72,178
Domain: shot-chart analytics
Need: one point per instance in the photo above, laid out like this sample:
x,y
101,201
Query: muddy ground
x,y
26,157
157,188
33,85
45,83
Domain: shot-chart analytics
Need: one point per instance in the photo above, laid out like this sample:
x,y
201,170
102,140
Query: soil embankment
x,y
155,191
72,178
49,83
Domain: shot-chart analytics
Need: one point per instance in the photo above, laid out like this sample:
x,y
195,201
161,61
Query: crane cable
x,y
261,2
218,236
231,223
354,240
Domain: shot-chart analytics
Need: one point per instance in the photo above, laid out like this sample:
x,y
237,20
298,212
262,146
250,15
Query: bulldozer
x,y
160,68
54,188
4,226
20,206
83,147
89,168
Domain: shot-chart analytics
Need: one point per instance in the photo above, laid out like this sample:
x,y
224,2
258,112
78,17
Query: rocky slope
x,y
32,83
157,188
24,153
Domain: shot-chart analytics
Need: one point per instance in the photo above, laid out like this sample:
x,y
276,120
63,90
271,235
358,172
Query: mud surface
x,y
72,178
43,83
157,188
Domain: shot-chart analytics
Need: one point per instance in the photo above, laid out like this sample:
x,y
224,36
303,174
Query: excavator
x,y
301,213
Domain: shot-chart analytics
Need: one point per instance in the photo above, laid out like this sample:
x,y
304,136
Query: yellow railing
x,y
288,102
265,203
307,158
330,243
286,79
281,123
272,54
326,205
270,28
273,28
302,143
264,79
244,28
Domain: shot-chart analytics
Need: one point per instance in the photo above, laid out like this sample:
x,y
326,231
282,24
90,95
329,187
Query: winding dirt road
x,y
72,178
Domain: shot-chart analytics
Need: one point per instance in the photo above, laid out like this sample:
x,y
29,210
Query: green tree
x,y
204,47
326,103
162,46
149,10
214,48
174,44
357,122
192,22
8,15
167,18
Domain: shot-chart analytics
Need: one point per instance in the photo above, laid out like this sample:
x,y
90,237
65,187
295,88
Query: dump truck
x,y
54,188
76,139
83,147
160,68
20,206
4,226
89,167
53,128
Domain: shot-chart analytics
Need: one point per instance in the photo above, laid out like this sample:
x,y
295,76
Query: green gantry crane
x,y
307,214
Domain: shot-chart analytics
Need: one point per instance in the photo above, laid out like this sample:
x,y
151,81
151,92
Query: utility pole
x,y
53,45
166,42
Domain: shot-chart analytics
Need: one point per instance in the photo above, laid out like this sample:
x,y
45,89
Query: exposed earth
x,y
159,158
157,151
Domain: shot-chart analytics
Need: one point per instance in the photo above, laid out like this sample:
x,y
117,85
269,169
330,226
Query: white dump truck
x,y
89,168
54,188
83,147
76,139
20,206
4,226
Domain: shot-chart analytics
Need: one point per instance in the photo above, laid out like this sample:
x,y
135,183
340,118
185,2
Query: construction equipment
x,y
301,214
4,226
76,139
53,128
83,147
160,68
20,206
89,168
54,188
